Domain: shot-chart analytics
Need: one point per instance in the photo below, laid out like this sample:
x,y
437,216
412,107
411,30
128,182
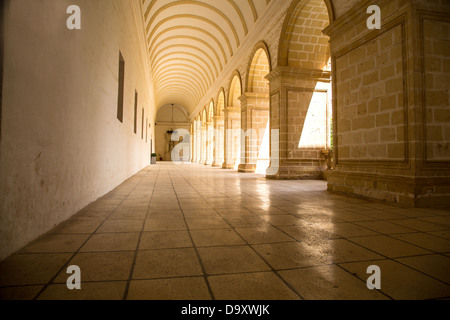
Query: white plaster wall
x,y
62,146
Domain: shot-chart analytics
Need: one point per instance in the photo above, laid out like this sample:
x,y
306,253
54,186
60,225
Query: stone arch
x,y
235,90
255,112
233,123
302,43
219,131
301,87
256,58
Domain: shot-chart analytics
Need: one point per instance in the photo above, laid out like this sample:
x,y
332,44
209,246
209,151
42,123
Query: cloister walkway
x,y
183,232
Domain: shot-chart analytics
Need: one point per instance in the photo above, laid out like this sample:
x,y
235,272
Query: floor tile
x,y
100,266
201,223
389,247
266,234
384,227
329,283
20,293
435,265
289,255
111,242
89,291
223,260
78,226
426,241
120,226
169,263
56,243
194,288
30,269
401,282
219,237
165,225
251,286
165,240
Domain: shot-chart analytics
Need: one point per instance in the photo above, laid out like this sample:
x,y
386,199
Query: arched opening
x,y
169,118
304,97
255,113
233,124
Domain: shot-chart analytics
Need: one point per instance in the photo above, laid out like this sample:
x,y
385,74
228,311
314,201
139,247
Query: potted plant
x,y
154,155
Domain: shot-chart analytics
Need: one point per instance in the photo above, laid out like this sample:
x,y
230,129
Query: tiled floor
x,y
191,232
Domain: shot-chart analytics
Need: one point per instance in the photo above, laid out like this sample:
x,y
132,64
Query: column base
x,y
404,191
247,168
303,170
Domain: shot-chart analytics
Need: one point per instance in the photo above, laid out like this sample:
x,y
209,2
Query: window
x,y
135,111
121,88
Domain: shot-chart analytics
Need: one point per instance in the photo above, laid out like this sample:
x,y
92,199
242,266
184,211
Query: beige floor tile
x,y
389,247
100,266
307,234
91,216
194,288
56,243
111,242
199,213
20,293
199,224
165,214
246,222
281,220
166,264
445,234
384,227
118,226
30,269
251,286
289,255
329,283
165,240
400,282
78,226
128,215
349,230
426,241
218,237
165,225
223,260
267,234
88,291
436,265
416,224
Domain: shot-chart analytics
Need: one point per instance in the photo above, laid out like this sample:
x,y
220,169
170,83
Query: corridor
x,y
191,232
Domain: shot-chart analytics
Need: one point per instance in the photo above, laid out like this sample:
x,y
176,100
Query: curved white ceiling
x,y
191,41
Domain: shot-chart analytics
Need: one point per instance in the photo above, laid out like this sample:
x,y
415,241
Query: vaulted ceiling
x,y
191,41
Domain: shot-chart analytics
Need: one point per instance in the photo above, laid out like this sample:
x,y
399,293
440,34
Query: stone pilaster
x,y
391,103
232,126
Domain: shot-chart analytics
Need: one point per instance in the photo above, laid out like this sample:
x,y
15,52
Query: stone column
x,y
298,112
254,119
218,140
391,103
232,137
209,143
